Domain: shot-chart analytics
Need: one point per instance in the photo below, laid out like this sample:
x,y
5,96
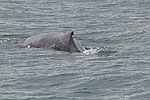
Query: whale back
x,y
58,41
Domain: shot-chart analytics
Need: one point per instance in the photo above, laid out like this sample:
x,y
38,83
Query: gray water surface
x,y
116,31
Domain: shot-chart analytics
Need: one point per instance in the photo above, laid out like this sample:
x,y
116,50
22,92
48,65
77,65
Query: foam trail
x,y
91,51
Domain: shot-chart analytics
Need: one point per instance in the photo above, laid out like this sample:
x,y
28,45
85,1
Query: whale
x,y
58,41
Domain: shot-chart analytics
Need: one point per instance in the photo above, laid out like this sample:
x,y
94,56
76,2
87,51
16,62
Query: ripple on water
x,y
114,67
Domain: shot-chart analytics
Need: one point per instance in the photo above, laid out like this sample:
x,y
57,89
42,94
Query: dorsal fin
x,y
71,33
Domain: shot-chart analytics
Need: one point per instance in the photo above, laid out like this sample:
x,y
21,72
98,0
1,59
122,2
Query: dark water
x,y
117,68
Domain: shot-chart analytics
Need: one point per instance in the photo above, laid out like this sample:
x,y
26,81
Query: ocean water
x,y
116,67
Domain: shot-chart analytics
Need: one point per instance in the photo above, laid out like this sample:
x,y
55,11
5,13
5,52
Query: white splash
x,y
91,51
28,46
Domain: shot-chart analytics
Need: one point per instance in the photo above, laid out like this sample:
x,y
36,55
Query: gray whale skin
x,y
58,41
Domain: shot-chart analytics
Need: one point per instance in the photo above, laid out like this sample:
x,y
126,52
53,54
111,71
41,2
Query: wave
x,y
13,38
